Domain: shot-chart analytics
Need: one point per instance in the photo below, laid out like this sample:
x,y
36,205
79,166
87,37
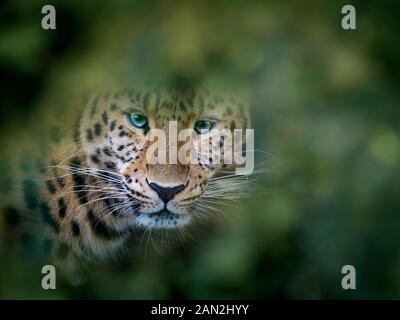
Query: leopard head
x,y
126,134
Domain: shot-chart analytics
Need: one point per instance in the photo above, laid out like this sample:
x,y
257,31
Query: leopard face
x,y
116,136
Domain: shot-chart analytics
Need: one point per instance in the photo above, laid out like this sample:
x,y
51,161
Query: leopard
x,y
89,192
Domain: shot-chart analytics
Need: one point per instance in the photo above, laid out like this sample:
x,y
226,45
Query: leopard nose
x,y
166,193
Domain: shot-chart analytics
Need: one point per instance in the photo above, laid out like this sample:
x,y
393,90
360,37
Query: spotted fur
x,y
94,188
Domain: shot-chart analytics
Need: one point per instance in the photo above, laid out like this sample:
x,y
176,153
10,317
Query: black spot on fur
x,y
31,196
45,212
98,129
95,158
80,183
62,208
107,151
108,203
51,187
41,167
233,125
112,126
12,216
56,135
100,229
146,100
62,250
89,135
76,229
110,165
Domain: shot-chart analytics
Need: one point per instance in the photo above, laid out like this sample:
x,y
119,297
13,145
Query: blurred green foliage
x,y
326,118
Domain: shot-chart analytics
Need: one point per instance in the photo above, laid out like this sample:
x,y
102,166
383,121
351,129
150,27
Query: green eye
x,y
138,120
203,126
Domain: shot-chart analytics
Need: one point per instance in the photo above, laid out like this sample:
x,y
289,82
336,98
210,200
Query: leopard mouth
x,y
163,219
